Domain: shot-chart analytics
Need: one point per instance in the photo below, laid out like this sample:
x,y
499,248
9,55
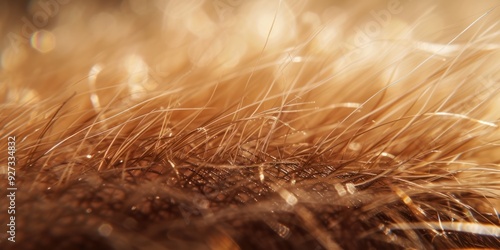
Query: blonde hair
x,y
253,124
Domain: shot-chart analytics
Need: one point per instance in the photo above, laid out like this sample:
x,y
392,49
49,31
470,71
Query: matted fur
x,y
253,124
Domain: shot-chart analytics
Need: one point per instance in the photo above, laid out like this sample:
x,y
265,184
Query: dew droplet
x,y
202,202
105,229
261,174
351,188
340,189
291,199
43,41
282,230
354,146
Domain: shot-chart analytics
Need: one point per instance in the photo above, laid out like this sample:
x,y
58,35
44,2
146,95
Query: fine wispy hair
x,y
258,124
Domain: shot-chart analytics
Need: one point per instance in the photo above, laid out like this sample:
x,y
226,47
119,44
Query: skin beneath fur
x,y
251,124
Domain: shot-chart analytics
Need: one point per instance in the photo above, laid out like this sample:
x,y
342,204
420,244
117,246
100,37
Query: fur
x,y
252,124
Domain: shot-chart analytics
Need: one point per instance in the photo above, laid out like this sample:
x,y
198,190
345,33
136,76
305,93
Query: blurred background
x,y
62,42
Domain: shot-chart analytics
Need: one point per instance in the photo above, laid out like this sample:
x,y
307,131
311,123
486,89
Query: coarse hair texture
x,y
281,124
